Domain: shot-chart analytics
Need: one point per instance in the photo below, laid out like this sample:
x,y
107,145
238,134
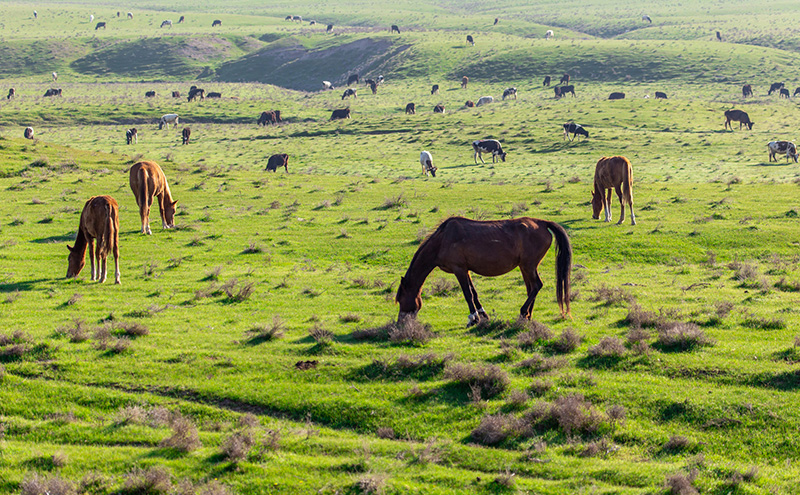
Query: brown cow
x,y
738,116
747,90
464,82
186,134
438,108
342,113
269,117
28,133
470,104
612,172
277,161
411,109
176,94
546,81
564,79
11,93
147,182
99,220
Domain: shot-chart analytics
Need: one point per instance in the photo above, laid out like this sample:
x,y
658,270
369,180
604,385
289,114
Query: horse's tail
x,y
108,235
627,184
563,266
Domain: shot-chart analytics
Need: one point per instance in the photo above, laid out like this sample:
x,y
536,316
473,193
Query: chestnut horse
x,y
489,248
147,182
612,172
99,220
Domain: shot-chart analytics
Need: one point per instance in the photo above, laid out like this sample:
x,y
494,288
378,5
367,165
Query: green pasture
x,y
194,364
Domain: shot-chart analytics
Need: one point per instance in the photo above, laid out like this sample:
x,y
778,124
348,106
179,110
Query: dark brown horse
x,y
99,220
491,248
612,172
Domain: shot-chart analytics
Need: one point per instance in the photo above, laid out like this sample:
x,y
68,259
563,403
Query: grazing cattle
x,y
775,87
469,104
352,79
166,23
326,85
312,23
55,76
35,15
348,93
185,135
297,18
546,81
369,81
426,160
719,36
564,79
395,29
784,93
616,96
411,109
269,117
612,172
563,90
150,94
277,161
53,92
342,113
131,135
439,108
661,95
484,100
496,20
216,22
379,80
787,148
488,146
288,18
214,94
435,89
549,34
99,220
91,17
148,182
176,94
183,18
796,91
747,90
100,25
196,92
374,87
647,18
575,130
470,40
738,116
509,92
167,119
130,15
464,82
28,134
118,13
329,28
11,93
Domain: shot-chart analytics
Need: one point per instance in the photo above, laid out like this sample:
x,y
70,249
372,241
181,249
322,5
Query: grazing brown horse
x,y
612,172
490,248
99,220
148,182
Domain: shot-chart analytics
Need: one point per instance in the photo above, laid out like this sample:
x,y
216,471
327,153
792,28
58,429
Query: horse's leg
x,y
91,257
148,197
115,239
162,211
466,287
607,205
621,204
478,306
534,284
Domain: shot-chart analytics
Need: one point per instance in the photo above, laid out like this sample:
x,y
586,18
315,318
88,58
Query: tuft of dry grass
x,y
132,329
682,337
371,484
385,432
266,332
612,296
236,447
567,342
488,379
184,436
350,318
321,335
37,484
608,348
536,334
443,287
410,332
153,480
539,364
678,443
681,484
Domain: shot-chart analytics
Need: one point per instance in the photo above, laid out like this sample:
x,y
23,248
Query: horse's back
x,y
149,174
96,214
611,171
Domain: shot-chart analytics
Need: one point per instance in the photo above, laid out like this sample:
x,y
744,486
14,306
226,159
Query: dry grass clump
x,y
155,417
147,481
236,292
539,364
385,432
567,342
261,332
132,329
410,332
420,367
37,484
572,414
18,337
540,387
236,447
638,317
679,443
507,479
104,340
757,322
188,487
608,348
371,484
321,335
681,484
535,334
248,420
611,296
443,287
517,399
350,318
601,447
184,436
497,428
683,337
736,477
487,379
94,482
78,332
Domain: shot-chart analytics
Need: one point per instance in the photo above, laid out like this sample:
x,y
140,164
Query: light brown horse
x,y
147,182
612,172
492,248
99,220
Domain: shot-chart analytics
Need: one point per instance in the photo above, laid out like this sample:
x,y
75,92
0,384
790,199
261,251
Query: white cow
x,y
484,100
326,85
166,23
549,34
91,18
170,118
426,160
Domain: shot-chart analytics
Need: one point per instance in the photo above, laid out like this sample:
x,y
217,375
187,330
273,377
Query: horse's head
x,y
597,203
76,262
169,213
409,302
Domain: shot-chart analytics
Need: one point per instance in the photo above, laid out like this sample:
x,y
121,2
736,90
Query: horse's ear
x,y
175,203
71,249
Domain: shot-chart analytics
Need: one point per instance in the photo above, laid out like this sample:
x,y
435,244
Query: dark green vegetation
x,y
251,349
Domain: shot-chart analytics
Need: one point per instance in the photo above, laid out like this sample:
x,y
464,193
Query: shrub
x,y
608,347
410,332
77,333
488,379
385,432
350,318
265,332
321,335
236,446
680,484
443,287
757,322
573,414
567,342
611,296
184,436
37,484
535,334
150,481
540,387
507,479
517,399
682,337
540,364
372,484
678,443
133,329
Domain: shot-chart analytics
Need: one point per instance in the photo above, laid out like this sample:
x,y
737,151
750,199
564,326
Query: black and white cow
x,y
774,87
132,135
348,93
787,148
575,130
435,89
509,92
470,40
426,160
488,146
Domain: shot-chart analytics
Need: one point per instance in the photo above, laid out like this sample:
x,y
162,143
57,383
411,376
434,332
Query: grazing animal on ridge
x,y
426,160
647,18
484,100
395,29
411,109
352,79
53,92
213,94
784,93
130,15
185,135
269,117
488,146
35,15
616,96
774,87
312,23
549,34
796,91
563,90
183,18
148,182
150,94
496,20
131,135
439,108
464,82
277,161
373,86
99,220
738,116
326,85
612,172
719,36
11,93
166,23
297,18
100,25
91,18
55,76
575,130
546,81
787,148
435,89
216,22
167,119
28,134
329,28
564,79
660,95
488,248
747,90
470,40
510,92
348,93
342,113
196,92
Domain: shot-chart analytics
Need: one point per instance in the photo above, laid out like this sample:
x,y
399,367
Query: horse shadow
x,y
25,286
56,239
771,164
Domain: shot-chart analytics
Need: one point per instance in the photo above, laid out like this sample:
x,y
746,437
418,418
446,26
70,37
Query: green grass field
x,y
251,349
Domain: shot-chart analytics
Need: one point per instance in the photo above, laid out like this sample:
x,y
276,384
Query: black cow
x,y
150,94
546,81
563,90
747,90
660,95
348,93
100,25
411,109
277,161
176,94
329,28
180,21
575,130
185,134
496,20
439,108
214,94
195,92
131,135
796,91
719,36
53,92
616,96
352,79
269,117
216,23
11,93
737,116
774,87
564,79
488,146
342,113
435,89
470,40
374,87
784,93
395,29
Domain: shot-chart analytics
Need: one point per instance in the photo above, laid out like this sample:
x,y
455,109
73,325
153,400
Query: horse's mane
x,y
432,237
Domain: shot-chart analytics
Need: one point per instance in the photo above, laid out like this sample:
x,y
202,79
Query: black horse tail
x,y
563,266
